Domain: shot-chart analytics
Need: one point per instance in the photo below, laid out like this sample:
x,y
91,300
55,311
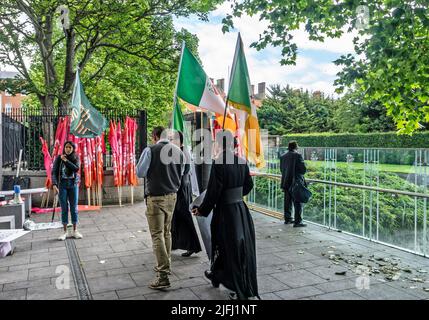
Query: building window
x,y
8,107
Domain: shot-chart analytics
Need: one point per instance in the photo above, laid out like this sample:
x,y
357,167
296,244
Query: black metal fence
x,y
22,129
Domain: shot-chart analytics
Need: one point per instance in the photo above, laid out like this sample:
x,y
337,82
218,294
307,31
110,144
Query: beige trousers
x,y
159,214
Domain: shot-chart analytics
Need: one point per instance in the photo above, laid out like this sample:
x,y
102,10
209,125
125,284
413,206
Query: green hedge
x,y
360,140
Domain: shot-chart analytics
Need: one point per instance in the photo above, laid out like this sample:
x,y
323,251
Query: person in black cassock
x,y
233,261
183,233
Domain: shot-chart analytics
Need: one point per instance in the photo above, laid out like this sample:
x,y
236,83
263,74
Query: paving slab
x,y
208,292
50,292
26,284
13,276
109,283
267,284
298,278
111,295
20,294
180,294
339,295
384,292
299,293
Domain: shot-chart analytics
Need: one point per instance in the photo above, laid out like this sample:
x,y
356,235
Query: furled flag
x,y
99,158
86,163
239,96
120,155
125,155
86,121
113,141
132,129
93,161
47,160
194,86
61,135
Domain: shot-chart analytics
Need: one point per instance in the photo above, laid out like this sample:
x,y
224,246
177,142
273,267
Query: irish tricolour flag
x,y
195,87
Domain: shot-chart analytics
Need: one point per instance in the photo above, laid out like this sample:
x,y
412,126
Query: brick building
x,y
258,97
8,102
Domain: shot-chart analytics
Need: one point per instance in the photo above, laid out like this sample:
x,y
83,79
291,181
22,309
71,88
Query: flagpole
x,y
234,64
88,192
177,83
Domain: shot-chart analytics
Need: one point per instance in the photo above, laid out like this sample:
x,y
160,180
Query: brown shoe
x,y
160,283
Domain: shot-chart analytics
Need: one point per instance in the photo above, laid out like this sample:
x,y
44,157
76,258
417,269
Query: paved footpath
x,y
117,260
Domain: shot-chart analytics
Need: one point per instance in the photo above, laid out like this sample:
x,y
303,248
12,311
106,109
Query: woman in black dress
x,y
233,261
183,233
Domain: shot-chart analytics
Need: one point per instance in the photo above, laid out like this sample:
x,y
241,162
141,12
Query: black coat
x,y
232,230
72,167
183,233
288,161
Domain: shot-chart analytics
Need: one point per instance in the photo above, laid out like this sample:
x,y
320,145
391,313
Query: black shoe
x,y
289,221
232,296
299,225
209,275
188,253
235,296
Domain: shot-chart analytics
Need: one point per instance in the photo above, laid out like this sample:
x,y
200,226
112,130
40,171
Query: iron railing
x,y
22,129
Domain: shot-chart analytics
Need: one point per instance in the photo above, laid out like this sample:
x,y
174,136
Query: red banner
x,y
61,136
47,160
132,129
113,140
99,153
120,154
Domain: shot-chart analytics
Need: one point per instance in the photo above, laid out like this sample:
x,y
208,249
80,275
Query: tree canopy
x,y
287,110
127,51
390,64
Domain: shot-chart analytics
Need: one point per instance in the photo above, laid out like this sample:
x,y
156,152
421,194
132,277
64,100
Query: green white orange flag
x,y
195,87
239,96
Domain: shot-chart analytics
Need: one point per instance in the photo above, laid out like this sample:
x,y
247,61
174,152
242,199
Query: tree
x,y
288,110
391,64
99,34
353,114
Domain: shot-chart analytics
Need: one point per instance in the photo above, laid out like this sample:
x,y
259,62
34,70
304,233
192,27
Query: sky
x,y
314,69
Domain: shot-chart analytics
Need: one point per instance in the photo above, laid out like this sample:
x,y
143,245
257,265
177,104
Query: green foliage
x,y
353,114
288,110
390,64
360,140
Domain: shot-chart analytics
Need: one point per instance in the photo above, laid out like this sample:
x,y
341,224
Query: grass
x,y
395,168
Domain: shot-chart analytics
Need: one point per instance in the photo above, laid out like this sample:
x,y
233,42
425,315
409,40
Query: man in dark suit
x,y
292,165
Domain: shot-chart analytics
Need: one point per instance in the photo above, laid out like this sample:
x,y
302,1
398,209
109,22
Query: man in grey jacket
x,y
162,164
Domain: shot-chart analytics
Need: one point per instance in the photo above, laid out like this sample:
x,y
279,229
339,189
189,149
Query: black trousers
x,y
288,201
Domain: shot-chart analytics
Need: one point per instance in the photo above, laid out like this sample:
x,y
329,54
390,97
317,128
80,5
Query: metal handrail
x,y
348,185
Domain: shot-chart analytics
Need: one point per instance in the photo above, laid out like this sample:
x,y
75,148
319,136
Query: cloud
x,y
313,71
